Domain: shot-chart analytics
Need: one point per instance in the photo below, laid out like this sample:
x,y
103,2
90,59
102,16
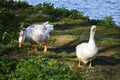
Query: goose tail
x,y
49,28
45,23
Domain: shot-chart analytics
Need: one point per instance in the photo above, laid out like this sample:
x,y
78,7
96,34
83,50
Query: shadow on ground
x,y
69,47
109,48
104,60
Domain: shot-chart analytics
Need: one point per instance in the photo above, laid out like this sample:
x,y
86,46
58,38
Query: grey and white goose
x,y
36,33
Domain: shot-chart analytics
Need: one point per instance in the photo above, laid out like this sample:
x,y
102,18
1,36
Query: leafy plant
x,y
7,65
47,8
108,21
10,4
21,4
8,26
42,68
74,14
38,7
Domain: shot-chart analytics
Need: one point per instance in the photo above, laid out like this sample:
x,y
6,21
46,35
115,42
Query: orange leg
x,y
35,47
79,64
90,65
45,46
20,44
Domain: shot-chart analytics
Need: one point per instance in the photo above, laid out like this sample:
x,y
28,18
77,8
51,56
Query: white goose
x,y
36,33
86,52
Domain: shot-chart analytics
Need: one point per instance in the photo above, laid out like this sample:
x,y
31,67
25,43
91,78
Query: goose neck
x,y
91,39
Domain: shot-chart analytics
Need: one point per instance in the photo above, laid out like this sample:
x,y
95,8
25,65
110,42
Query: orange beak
x,y
94,29
20,44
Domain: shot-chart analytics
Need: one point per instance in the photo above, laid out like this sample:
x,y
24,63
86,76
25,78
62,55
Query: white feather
x,y
38,32
87,51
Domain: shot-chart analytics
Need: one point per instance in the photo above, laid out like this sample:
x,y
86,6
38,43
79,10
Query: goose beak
x,y
20,44
20,41
94,29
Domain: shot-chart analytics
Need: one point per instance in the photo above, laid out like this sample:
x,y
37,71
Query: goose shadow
x,y
107,60
109,48
104,60
69,47
99,60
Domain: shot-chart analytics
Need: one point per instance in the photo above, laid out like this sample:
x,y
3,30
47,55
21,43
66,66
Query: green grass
x,y
60,62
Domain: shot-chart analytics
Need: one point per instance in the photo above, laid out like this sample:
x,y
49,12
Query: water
x,y
95,9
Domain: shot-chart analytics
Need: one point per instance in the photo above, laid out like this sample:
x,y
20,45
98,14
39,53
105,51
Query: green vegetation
x,y
31,68
71,28
108,21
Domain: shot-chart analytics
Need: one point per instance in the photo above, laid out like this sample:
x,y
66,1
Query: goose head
x,y
92,32
93,28
21,37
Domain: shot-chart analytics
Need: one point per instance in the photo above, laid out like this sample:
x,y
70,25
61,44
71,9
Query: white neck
x,y
20,38
91,39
